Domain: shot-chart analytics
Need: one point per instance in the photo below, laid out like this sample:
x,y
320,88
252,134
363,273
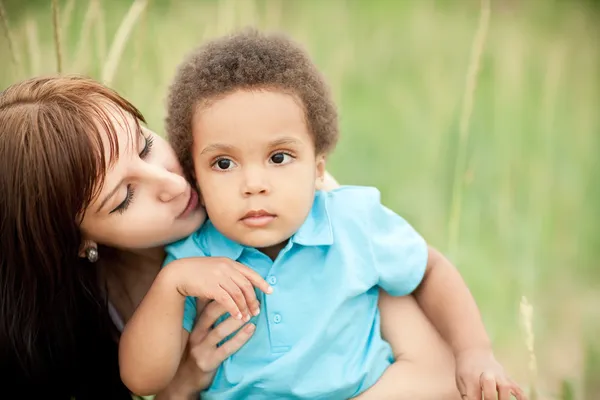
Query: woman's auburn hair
x,y
56,337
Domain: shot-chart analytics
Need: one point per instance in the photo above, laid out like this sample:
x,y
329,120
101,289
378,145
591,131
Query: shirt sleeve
x,y
185,248
400,253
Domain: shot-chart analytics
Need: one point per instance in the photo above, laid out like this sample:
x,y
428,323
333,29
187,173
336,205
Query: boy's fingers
x,y
254,278
234,344
488,385
230,305
236,294
249,294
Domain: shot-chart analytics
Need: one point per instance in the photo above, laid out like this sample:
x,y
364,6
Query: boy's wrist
x,y
169,279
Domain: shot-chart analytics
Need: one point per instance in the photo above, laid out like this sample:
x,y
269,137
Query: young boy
x,y
252,122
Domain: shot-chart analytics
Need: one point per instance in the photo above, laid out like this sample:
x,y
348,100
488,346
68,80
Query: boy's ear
x,y
320,171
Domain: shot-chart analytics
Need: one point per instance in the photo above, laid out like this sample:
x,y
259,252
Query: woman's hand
x,y
202,357
478,371
227,282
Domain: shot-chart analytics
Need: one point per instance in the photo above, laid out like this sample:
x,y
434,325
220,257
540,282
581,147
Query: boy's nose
x,y
255,183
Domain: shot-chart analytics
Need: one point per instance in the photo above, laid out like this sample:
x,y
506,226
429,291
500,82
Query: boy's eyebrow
x,y
217,147
285,141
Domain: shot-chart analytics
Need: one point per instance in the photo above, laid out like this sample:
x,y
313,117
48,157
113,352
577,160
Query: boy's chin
x,y
262,240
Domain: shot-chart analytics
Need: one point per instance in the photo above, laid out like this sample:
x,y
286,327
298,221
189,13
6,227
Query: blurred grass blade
x,y
57,38
120,40
9,36
527,319
467,110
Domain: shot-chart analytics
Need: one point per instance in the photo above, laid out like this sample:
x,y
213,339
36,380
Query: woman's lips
x,y
191,205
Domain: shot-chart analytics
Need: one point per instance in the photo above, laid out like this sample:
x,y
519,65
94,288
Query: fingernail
x,y
249,328
256,312
269,290
238,316
247,318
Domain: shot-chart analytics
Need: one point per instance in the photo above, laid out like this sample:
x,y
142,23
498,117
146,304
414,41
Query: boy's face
x,y
256,166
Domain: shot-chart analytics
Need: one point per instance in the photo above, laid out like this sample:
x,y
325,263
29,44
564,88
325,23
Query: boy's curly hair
x,y
248,60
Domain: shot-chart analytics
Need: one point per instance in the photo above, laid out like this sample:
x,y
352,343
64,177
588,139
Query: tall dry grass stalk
x,y
57,39
67,13
465,119
90,17
100,31
33,46
527,319
9,36
120,40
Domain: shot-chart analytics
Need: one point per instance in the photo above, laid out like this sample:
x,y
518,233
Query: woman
x,y
88,199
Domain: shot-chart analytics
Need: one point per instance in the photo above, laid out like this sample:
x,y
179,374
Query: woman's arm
x,y
447,301
152,342
424,365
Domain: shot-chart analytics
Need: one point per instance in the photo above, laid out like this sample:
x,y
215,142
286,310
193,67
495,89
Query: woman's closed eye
x,y
148,141
126,202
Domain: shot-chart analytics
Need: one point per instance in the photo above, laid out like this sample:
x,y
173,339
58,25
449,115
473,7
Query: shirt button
x,y
277,318
272,280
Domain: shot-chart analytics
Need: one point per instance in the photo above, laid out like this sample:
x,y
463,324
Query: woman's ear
x,y
86,246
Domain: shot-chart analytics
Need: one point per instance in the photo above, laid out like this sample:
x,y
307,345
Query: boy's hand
x,y
223,280
478,371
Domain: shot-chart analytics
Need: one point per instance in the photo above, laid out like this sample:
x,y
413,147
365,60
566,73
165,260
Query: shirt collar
x,y
218,244
315,231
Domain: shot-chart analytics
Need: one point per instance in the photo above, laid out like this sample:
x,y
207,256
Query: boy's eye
x,y
281,158
223,164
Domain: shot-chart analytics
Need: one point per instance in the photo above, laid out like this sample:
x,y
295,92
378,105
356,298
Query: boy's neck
x,y
273,251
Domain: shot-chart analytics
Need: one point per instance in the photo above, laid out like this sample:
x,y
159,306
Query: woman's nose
x,y
168,185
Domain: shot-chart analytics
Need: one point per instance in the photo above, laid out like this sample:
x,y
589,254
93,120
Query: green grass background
x,y
530,197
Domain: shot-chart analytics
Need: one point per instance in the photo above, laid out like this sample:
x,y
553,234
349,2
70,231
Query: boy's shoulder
x,y
352,198
350,206
186,247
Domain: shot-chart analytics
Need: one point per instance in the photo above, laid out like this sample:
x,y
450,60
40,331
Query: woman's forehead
x,y
118,136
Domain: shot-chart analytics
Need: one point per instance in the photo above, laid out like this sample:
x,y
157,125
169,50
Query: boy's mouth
x,y
257,218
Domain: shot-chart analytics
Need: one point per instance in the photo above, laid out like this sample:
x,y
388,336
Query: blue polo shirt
x,y
318,334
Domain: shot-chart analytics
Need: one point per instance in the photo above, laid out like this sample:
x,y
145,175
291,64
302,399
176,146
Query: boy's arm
x,y
153,340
